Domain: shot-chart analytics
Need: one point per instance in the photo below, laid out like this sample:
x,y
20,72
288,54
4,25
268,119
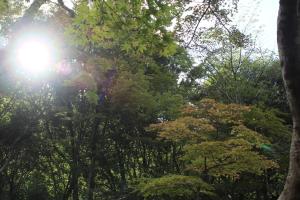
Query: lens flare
x,y
33,56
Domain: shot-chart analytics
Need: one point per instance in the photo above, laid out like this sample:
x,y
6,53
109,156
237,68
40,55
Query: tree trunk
x,y
75,162
122,170
75,175
288,38
91,176
12,192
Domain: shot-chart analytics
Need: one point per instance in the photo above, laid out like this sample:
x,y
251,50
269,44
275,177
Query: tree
x,y
224,145
233,70
82,133
88,126
177,187
289,52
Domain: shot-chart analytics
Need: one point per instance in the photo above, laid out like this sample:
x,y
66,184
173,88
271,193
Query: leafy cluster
x,y
217,144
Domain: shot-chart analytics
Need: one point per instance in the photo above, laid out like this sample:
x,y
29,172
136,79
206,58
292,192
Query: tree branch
x,y
28,16
69,10
198,23
32,10
220,21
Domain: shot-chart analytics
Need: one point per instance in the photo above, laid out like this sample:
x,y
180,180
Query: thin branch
x,y
220,21
69,10
232,64
196,28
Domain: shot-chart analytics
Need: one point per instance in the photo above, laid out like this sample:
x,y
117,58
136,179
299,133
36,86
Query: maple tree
x,y
216,143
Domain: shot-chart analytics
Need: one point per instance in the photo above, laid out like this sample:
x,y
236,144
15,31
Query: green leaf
x,y
92,97
174,187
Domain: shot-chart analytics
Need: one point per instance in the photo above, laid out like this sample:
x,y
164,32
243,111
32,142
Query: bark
x,y
28,16
288,38
123,182
75,163
122,170
69,10
67,190
33,9
91,176
174,157
12,192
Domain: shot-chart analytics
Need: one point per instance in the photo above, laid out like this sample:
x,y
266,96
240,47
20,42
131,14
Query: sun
x,y
33,56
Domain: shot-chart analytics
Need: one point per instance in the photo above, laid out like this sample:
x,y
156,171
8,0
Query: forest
x,y
146,100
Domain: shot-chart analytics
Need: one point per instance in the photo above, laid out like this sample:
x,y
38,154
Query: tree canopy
x,y
137,100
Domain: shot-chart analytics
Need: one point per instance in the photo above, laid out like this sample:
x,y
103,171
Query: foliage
x,y
184,129
217,141
226,159
129,26
175,187
127,114
243,75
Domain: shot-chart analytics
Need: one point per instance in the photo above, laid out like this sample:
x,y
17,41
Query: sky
x,y
259,18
